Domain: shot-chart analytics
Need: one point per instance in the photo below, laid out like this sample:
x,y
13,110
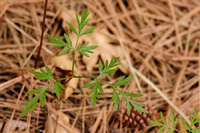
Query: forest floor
x,y
160,39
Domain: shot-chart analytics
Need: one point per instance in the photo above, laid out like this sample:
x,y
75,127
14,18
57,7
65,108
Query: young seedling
x,y
194,127
172,128
95,81
163,124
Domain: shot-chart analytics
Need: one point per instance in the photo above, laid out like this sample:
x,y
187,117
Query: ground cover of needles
x,y
161,39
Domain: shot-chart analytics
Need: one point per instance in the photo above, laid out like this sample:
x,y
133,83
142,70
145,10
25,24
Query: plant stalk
x,y
74,55
42,34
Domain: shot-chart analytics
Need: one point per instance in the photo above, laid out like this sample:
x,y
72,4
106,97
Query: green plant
x,y
172,128
95,81
194,121
163,124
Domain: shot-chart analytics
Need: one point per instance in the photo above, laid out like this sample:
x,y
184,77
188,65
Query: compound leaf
x,y
57,88
85,49
95,95
108,69
43,98
88,31
82,25
38,90
69,42
88,84
100,67
138,106
32,103
123,81
64,51
57,41
98,85
115,99
78,20
155,123
84,15
161,129
42,75
26,110
49,71
72,28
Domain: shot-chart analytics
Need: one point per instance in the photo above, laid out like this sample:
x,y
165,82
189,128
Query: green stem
x,y
74,61
60,79
89,77
74,55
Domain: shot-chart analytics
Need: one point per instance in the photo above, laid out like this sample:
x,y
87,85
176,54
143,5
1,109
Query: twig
x,y
42,35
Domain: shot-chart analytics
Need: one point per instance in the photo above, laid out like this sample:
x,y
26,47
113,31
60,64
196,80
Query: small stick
x,y
42,35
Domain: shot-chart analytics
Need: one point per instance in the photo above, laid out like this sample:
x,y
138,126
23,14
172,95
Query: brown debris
x,y
161,40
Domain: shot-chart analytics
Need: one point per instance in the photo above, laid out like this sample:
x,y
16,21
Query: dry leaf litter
x,y
161,40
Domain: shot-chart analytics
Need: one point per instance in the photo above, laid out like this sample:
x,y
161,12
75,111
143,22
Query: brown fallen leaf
x,y
53,127
14,124
63,62
66,15
105,49
58,122
71,86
